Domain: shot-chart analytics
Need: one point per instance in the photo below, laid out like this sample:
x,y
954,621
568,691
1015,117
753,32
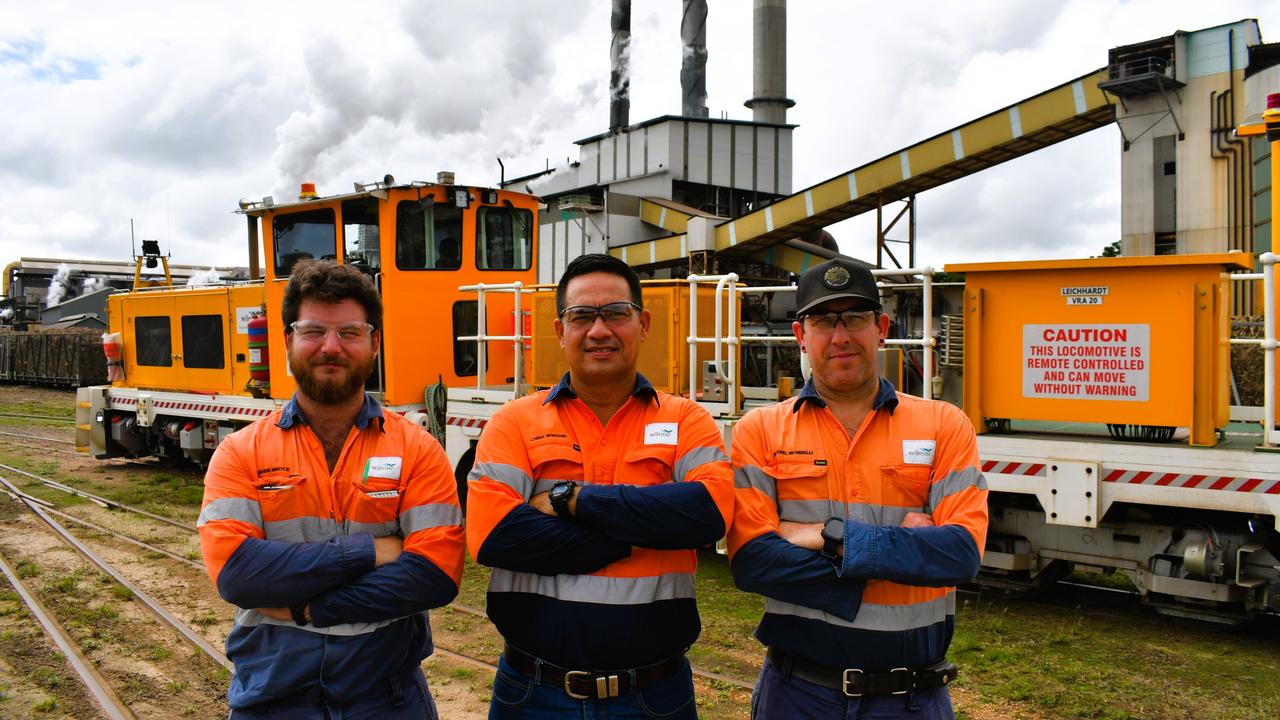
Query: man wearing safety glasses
x,y
857,509
332,525
589,501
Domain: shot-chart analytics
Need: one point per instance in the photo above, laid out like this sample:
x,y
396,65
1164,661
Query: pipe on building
x,y
693,64
769,63
620,66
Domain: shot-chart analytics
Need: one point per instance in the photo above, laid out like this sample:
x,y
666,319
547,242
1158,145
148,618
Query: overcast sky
x,y
168,113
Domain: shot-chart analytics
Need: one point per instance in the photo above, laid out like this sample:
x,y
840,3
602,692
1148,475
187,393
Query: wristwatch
x,y
560,495
832,537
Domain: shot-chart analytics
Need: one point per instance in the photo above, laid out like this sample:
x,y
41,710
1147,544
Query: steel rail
x,y
105,502
37,417
39,437
39,447
93,681
138,593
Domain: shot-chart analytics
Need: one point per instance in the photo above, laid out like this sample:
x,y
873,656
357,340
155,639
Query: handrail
x,y
727,288
482,337
1268,343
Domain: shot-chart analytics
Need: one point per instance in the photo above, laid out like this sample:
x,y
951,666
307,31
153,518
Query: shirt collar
x,y
886,397
292,413
642,389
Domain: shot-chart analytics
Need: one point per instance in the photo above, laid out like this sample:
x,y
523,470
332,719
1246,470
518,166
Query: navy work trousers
x,y
518,696
406,698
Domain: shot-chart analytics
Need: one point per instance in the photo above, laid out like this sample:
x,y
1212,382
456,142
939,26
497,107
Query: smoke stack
x,y
620,65
693,67
769,60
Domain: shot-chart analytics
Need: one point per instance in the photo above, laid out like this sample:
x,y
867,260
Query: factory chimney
x,y
693,67
620,65
769,61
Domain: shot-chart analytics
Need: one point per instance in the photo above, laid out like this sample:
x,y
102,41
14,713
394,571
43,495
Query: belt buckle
x,y
911,682
606,685
846,681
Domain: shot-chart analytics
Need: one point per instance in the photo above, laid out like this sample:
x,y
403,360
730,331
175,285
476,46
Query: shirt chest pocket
x,y
284,504
553,463
906,485
373,507
802,490
647,465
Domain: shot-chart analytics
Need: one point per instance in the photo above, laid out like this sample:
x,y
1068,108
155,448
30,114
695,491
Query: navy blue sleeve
x,y
672,516
408,585
271,573
770,566
526,540
927,556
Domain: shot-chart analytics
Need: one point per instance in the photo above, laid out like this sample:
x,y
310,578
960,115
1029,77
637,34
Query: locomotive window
x,y
301,236
428,236
464,351
202,341
360,234
504,238
154,347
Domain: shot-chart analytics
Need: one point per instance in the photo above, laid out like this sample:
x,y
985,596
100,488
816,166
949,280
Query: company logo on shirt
x,y
383,467
661,433
917,452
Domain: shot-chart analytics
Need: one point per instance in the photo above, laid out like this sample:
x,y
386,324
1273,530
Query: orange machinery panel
x,y
186,339
1127,340
664,356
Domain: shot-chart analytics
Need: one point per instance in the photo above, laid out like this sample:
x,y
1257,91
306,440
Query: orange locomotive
x,y
195,365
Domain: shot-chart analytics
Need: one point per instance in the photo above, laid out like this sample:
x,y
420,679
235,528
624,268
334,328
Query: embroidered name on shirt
x,y
792,452
917,452
661,433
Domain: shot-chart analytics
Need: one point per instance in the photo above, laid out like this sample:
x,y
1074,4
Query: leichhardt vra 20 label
x,y
1086,362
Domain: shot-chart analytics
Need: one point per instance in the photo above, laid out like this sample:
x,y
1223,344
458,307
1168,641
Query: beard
x,y
334,390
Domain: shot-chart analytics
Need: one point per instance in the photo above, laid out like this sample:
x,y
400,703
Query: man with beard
x,y
332,526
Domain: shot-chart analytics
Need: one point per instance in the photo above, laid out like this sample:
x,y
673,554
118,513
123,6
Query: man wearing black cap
x,y
856,511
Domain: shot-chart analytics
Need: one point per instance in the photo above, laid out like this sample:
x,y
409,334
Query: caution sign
x,y
1086,362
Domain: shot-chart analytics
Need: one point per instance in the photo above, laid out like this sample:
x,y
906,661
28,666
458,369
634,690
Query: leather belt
x,y
591,684
854,682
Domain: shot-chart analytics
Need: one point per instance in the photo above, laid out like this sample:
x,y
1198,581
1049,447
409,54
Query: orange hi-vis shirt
x,y
613,586
890,601
278,529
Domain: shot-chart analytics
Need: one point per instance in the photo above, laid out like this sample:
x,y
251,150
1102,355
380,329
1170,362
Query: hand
x,y
386,549
276,613
917,520
805,535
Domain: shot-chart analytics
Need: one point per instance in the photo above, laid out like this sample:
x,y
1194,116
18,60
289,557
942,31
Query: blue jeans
x,y
780,696
406,698
517,696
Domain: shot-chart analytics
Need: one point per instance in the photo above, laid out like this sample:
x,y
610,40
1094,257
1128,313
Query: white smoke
x,y
92,284
204,277
6,313
59,286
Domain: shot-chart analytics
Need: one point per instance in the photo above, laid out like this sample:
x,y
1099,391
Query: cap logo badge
x,y
836,278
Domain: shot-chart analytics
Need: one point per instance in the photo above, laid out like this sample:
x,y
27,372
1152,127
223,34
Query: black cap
x,y
834,280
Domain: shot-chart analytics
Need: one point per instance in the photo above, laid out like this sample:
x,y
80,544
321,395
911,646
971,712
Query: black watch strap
x,y
561,494
299,613
832,537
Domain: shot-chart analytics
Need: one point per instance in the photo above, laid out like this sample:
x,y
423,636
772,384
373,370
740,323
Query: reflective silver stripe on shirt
x,y
382,529
752,477
509,475
885,618
695,458
302,529
253,618
232,508
595,588
811,511
955,481
422,517
545,484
